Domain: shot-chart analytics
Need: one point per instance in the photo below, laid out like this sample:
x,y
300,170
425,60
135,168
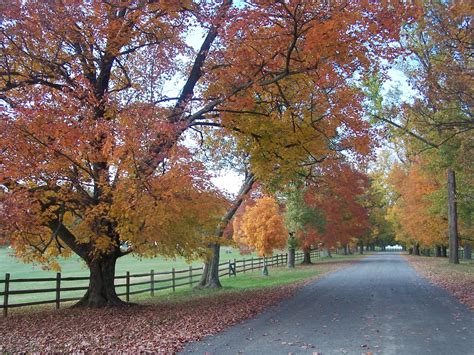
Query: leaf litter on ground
x,y
456,279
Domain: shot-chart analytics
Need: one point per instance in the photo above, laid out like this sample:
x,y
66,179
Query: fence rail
x,y
131,284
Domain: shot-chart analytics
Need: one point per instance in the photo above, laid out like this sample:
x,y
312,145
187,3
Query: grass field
x,y
75,267
243,281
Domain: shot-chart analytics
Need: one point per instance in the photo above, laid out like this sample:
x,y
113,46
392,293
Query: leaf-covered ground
x,y
163,327
456,279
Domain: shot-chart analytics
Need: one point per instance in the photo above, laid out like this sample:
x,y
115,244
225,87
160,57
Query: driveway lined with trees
x,y
380,306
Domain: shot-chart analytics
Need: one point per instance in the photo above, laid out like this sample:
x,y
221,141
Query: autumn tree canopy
x,y
432,130
338,195
262,227
91,144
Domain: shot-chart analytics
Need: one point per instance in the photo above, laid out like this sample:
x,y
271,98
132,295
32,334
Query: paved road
x,y
380,306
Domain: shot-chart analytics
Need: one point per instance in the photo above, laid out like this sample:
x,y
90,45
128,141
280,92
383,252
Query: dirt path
x,y
378,306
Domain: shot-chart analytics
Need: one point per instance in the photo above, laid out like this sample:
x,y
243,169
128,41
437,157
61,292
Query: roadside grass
x,y
458,279
253,280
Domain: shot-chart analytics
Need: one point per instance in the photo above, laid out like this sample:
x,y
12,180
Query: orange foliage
x,y
411,212
339,197
90,145
262,227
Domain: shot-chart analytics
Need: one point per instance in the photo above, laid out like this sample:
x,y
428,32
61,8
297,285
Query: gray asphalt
x,y
379,306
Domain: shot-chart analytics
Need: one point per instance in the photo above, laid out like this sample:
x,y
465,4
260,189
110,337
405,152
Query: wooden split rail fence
x,y
66,289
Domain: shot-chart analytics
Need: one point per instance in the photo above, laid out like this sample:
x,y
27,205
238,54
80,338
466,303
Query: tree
x,y
90,161
210,275
339,197
303,222
293,115
86,130
262,227
414,214
439,115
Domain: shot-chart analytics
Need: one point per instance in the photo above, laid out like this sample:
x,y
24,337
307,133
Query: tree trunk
x,y
291,258
410,251
101,291
306,257
361,248
467,251
416,249
444,251
345,249
210,273
438,251
452,219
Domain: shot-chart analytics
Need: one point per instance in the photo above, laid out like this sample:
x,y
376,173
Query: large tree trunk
x,y
291,258
416,249
438,251
210,274
306,257
345,249
467,251
101,292
452,219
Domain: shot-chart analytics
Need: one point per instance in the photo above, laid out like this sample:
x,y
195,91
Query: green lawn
x,y
254,280
74,267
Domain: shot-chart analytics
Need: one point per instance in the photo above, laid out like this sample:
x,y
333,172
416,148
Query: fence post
x,y
244,265
235,263
152,282
5,296
190,276
286,259
127,290
173,279
58,289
